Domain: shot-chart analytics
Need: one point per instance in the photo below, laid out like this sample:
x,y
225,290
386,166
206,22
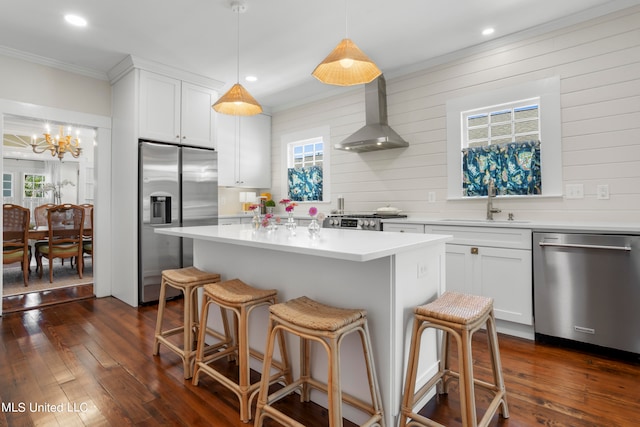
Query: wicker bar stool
x,y
187,280
459,315
241,299
311,320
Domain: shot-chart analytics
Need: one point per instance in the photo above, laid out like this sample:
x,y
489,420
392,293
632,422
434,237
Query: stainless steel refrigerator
x,y
178,186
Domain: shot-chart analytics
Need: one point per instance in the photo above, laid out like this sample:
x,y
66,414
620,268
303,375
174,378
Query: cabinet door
x,y
227,141
255,151
505,276
459,268
197,116
159,107
244,144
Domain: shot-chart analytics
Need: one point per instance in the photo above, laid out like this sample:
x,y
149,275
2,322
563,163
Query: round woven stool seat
x,y
311,314
457,308
237,292
189,276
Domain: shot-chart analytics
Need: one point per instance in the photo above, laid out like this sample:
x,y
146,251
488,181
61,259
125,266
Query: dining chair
x,y
15,238
65,224
87,243
40,214
40,217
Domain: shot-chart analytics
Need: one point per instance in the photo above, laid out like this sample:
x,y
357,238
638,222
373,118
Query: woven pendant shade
x,y
237,102
346,65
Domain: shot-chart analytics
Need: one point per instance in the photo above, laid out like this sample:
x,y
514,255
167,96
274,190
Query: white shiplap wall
x,y
598,63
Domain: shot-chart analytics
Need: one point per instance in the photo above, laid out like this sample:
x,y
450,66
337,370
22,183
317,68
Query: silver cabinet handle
x,y
571,245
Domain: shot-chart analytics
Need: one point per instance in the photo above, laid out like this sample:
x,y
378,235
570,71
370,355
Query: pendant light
x,y
237,101
346,65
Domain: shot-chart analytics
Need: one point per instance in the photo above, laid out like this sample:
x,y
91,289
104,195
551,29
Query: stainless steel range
x,y
372,222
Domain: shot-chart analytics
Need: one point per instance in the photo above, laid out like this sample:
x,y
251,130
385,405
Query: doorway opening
x,y
34,180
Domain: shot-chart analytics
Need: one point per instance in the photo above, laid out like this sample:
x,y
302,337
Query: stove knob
x,y
361,222
333,222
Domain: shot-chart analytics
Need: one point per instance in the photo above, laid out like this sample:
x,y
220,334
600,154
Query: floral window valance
x,y
514,167
305,183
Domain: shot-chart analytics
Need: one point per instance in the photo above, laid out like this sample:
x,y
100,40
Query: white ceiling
x,y
281,41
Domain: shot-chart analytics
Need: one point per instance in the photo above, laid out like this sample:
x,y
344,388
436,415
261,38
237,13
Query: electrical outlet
x,y
422,269
432,196
574,191
602,192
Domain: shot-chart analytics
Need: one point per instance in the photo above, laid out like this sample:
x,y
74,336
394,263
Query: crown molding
x,y
48,62
130,62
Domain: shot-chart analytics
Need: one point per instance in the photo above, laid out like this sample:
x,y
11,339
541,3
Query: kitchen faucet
x,y
491,193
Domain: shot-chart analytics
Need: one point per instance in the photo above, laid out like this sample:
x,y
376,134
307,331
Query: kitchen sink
x,y
486,221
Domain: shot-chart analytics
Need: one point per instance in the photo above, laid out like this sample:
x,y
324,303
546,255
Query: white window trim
x,y
323,132
548,90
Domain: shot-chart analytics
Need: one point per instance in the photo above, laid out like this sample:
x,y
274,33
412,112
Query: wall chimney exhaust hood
x,y
376,134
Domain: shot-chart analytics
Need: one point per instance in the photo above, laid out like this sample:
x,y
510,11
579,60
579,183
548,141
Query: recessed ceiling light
x,y
488,31
75,20
251,78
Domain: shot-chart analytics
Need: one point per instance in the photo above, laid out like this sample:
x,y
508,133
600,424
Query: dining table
x,y
42,232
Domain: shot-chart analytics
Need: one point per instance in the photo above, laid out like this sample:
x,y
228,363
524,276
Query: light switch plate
x,y
602,192
432,196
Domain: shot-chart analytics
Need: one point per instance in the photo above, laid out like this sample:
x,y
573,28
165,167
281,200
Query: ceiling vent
x,y
376,134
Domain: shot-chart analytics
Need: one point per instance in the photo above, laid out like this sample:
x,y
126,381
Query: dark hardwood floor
x,y
39,299
91,359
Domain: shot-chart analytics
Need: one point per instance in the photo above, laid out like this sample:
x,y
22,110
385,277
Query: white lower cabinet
x,y
493,262
499,273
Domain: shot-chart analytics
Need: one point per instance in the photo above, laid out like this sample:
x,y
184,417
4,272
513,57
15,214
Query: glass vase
x,y
314,229
256,222
290,225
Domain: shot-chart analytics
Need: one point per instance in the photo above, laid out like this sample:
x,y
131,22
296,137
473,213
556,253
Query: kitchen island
x,y
383,272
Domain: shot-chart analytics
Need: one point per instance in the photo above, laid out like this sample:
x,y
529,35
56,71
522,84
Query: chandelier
x,y
58,145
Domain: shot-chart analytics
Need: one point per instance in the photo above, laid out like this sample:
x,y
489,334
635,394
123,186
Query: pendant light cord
x,y
238,46
346,19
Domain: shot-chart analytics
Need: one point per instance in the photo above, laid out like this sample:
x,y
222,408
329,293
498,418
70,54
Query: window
x,y
502,124
34,186
7,185
307,165
501,144
510,135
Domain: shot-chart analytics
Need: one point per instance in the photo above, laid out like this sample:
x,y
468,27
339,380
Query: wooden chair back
x,y
15,237
65,224
88,219
40,214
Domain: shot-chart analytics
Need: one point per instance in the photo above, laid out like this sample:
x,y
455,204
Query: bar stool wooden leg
x,y
498,378
160,318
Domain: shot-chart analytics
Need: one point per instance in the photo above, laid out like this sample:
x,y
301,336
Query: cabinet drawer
x,y
403,228
511,238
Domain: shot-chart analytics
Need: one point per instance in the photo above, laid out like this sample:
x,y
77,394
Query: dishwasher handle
x,y
582,246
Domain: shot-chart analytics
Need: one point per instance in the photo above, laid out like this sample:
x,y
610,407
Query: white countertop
x,y
535,225
351,245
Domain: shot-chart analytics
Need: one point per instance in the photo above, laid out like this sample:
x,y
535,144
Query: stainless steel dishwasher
x,y
587,288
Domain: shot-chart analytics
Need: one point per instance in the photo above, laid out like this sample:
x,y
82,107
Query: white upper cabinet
x,y
172,110
244,146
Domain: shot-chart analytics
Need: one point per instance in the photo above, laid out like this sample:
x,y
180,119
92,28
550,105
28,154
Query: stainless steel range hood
x,y
376,134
